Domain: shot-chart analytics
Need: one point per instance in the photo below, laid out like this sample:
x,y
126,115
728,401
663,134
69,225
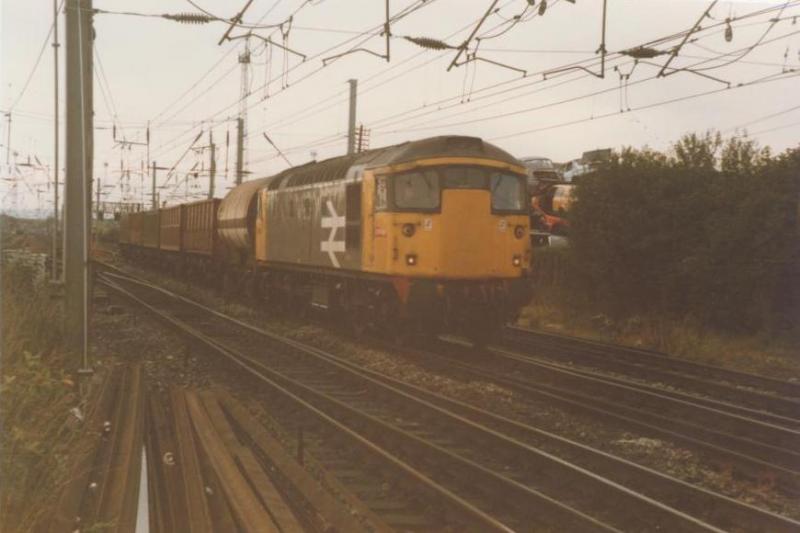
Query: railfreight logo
x,y
334,222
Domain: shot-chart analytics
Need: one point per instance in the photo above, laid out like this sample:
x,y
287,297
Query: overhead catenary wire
x,y
365,87
769,130
105,88
192,87
539,107
240,24
283,156
328,139
35,63
780,113
370,33
406,115
750,48
210,70
767,79
332,98
204,76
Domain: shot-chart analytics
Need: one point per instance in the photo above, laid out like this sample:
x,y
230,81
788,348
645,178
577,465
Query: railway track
x,y
489,472
762,393
649,414
212,467
756,436
103,485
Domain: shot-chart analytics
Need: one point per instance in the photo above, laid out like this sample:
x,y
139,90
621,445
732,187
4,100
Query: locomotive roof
x,y
336,168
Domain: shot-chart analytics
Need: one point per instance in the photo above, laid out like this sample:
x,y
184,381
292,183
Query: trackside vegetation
x,y
706,235
37,430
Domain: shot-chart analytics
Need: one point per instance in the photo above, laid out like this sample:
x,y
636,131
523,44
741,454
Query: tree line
x,y
707,232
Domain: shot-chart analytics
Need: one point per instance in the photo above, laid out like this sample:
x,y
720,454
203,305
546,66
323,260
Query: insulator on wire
x,y
642,52
428,42
728,30
531,2
189,18
542,7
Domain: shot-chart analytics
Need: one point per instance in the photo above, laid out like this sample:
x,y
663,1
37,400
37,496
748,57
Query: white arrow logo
x,y
334,222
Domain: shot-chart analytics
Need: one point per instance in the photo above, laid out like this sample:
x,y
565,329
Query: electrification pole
x,y
212,165
98,212
351,125
241,123
78,188
54,274
8,141
153,203
239,150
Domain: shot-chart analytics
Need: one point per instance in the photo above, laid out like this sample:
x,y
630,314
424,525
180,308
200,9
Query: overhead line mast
x,y
54,274
78,184
241,122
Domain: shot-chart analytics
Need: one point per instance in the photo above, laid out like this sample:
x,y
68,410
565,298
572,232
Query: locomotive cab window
x,y
508,192
464,178
418,190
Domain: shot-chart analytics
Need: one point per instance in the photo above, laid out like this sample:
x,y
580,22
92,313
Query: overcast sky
x,y
176,77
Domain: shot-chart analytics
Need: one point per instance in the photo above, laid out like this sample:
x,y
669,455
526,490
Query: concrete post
x,y
351,125
78,182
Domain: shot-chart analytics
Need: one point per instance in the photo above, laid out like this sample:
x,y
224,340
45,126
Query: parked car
x,y
576,168
541,172
546,223
562,198
587,164
549,209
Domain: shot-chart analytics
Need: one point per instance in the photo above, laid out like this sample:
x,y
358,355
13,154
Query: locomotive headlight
x,y
408,230
517,260
519,232
411,259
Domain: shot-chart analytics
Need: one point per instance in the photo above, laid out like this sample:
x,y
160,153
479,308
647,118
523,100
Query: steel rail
x,y
760,427
652,359
431,452
751,459
778,442
400,467
499,440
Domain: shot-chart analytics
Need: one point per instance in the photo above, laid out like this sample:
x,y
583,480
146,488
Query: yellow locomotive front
x,y
452,232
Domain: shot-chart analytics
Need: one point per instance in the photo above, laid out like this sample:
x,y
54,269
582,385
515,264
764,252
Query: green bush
x,y
707,233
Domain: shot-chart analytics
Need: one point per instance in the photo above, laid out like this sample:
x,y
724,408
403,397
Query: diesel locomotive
x,y
420,237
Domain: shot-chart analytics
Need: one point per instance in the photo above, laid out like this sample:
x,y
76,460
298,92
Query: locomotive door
x,y
352,234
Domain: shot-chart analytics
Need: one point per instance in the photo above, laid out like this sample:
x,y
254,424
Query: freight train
x,y
416,238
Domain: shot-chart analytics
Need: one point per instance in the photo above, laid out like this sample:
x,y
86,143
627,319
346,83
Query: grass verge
x,y
37,429
777,357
